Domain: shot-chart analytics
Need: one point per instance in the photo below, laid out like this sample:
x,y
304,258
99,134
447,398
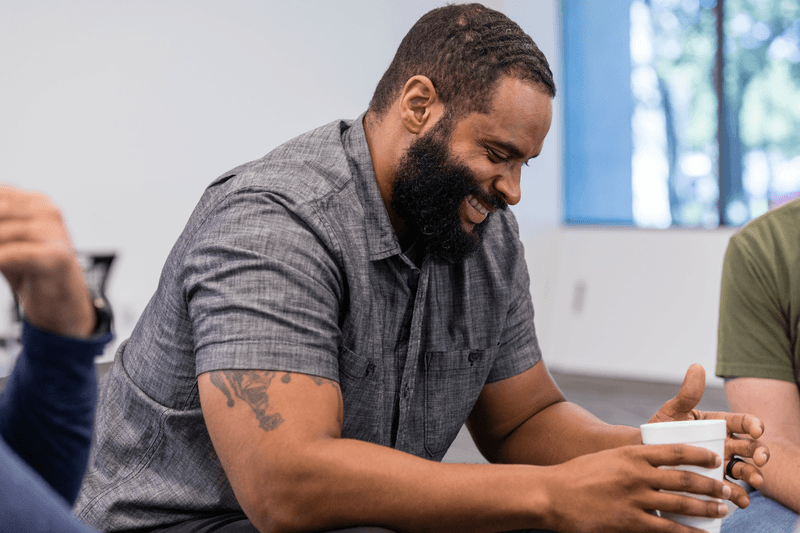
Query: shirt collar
x,y
381,238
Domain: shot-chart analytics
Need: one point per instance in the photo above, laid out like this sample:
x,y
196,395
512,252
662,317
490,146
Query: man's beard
x,y
429,191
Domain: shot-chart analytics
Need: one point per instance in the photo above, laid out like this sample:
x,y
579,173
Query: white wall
x,y
637,304
124,111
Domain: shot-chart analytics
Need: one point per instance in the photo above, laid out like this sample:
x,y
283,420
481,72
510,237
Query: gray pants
x,y
238,523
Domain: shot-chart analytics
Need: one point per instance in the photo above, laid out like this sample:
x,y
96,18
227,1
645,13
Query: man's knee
x,y
763,515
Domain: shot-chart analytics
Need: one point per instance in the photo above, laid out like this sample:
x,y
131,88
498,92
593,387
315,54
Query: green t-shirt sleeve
x,y
754,333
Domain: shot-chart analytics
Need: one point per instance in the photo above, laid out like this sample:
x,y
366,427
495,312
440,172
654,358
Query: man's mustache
x,y
494,201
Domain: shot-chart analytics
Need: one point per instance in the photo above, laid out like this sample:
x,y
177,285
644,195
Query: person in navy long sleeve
x,y
47,406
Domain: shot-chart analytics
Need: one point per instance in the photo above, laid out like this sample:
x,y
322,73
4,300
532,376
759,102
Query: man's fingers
x,y
686,505
652,522
17,203
20,261
692,388
740,423
746,472
751,426
680,454
17,230
749,448
690,482
738,496
749,474
691,392
33,257
38,260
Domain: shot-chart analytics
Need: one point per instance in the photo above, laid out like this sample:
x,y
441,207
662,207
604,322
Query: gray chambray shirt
x,y
290,263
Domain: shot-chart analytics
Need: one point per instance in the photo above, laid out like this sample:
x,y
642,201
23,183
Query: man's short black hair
x,y
464,50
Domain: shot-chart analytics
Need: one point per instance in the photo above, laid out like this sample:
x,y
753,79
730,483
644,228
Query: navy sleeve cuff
x,y
49,347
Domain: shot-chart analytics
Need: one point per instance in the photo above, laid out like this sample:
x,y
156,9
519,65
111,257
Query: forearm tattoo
x,y
252,386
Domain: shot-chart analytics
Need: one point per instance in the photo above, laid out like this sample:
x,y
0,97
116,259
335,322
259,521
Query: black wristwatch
x,y
104,318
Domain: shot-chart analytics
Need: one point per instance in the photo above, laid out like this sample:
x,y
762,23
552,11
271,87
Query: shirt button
x,y
474,356
370,370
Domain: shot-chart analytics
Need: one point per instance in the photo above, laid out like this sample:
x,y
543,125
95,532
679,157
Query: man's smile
x,y
479,207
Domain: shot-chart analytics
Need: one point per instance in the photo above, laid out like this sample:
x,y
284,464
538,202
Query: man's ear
x,y
419,104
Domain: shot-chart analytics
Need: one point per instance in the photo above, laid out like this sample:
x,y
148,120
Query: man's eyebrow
x,y
511,149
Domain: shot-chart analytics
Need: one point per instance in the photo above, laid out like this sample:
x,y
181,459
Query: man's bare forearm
x,y
378,485
559,433
346,482
782,473
343,482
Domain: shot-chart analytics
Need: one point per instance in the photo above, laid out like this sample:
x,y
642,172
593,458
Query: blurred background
x,y
676,122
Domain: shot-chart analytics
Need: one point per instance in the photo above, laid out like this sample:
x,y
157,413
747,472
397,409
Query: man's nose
x,y
508,186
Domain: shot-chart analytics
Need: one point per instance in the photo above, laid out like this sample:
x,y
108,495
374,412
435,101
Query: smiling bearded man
x,y
429,191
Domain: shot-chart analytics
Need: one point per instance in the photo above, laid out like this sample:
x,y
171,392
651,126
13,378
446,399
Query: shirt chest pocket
x,y
453,382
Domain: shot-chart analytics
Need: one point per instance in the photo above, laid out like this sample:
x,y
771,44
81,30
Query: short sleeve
x,y
263,288
753,335
519,345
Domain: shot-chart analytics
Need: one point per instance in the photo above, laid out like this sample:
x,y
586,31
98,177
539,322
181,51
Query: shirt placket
x,y
418,284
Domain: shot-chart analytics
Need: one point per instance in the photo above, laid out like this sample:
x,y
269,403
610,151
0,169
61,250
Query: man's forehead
x,y
517,121
516,91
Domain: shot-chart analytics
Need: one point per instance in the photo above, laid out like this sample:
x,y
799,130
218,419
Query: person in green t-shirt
x,y
758,354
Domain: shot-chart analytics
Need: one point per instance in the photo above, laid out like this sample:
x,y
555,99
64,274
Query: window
x,y
649,131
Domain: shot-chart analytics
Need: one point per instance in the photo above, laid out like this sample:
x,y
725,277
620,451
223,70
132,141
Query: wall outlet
x,y
578,296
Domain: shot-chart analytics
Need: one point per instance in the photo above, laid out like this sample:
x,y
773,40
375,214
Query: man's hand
x,y
617,490
38,260
743,431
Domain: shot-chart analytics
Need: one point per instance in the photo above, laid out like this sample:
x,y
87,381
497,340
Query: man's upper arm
x,y
262,423
263,291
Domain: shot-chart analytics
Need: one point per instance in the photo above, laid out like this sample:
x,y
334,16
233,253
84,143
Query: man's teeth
x,y
477,205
